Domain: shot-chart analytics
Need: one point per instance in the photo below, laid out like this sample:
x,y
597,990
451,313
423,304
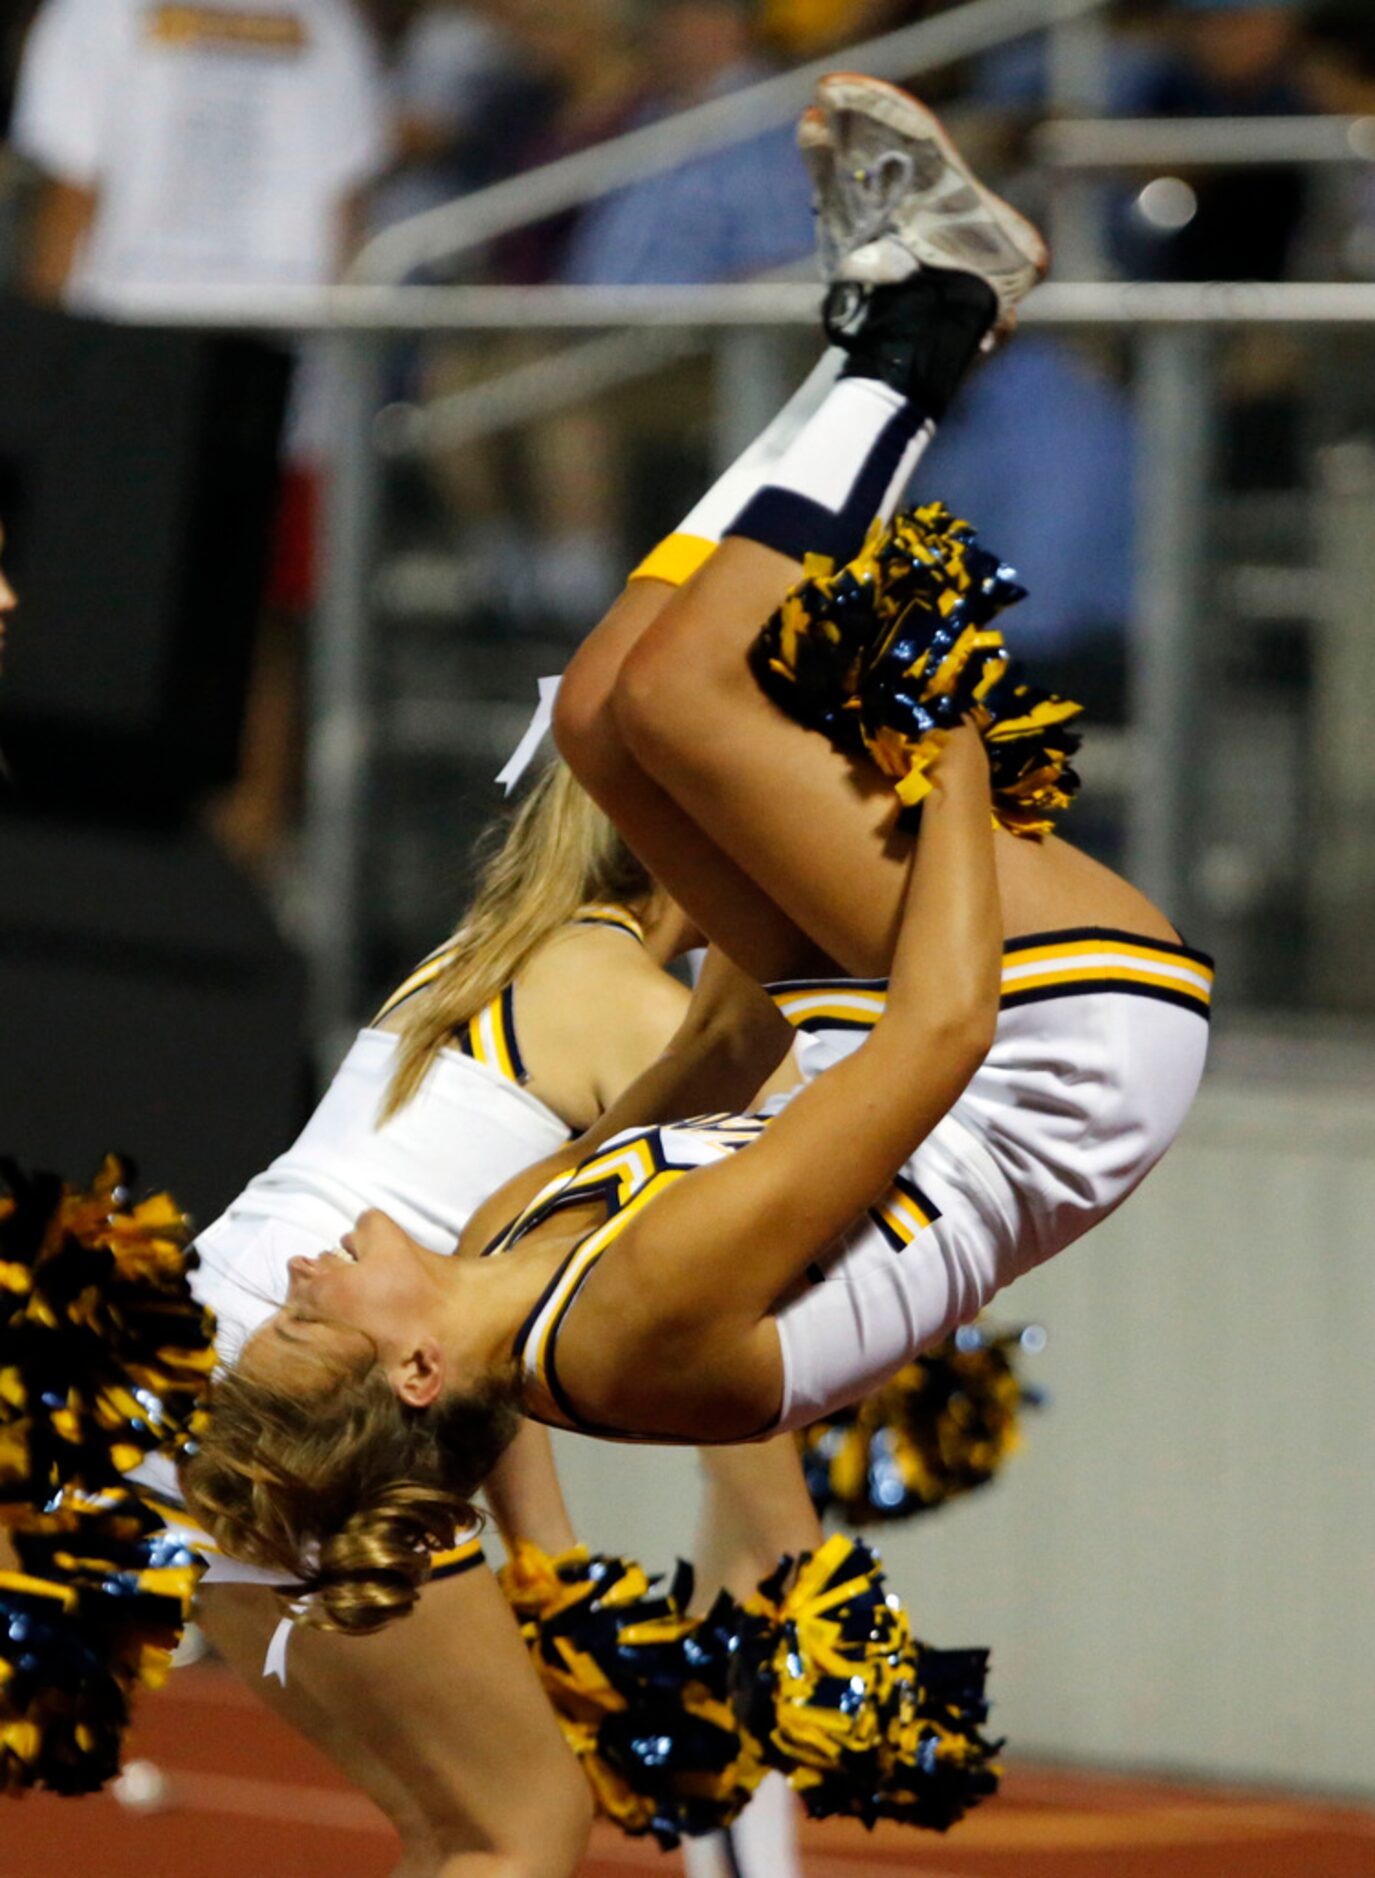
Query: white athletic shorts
x,y
1098,1052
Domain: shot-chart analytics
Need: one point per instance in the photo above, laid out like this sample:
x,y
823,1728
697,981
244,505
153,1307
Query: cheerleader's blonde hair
x,y
556,854
346,1490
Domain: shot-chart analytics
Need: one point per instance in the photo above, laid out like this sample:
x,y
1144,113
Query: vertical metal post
x,y
1167,637
339,733
1341,859
751,383
1077,66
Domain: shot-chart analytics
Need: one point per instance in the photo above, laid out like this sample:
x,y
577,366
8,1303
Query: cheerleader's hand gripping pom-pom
x,y
641,1689
105,1356
891,653
940,1427
94,1612
864,1721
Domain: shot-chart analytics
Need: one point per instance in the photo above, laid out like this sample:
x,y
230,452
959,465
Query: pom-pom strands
x,y
640,1689
891,653
939,1427
105,1356
675,1719
95,1611
864,1720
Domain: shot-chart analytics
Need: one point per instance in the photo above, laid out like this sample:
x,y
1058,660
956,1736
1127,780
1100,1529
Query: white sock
x,y
718,508
849,462
692,542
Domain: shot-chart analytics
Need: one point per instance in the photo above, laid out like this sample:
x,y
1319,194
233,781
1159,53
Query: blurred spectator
x,y
805,29
457,84
726,215
723,216
1198,58
194,143
1339,56
1038,455
1229,58
584,51
1338,71
1056,498
533,511
14,26
210,144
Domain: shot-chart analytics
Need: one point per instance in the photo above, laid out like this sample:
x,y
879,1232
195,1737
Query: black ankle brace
x,y
918,335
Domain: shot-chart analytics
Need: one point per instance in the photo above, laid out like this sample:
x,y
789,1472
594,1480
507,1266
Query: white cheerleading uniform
x,y
469,1127
1098,1051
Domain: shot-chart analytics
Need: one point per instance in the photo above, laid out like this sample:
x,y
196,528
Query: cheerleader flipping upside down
x,y
1026,1033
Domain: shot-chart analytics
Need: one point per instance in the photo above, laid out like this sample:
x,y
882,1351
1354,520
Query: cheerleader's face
x,y
371,1297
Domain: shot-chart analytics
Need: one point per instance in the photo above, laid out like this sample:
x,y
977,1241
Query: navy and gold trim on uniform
x,y
625,1177
903,1212
424,974
490,1037
1036,966
812,1004
1041,966
536,1342
607,913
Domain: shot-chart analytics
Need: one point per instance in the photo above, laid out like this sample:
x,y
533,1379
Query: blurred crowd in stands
x,y
257,142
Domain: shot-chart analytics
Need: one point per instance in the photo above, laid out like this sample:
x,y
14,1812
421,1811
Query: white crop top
x,y
467,1129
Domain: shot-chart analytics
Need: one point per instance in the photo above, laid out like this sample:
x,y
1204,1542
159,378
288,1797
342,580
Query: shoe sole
x,y
897,110
813,131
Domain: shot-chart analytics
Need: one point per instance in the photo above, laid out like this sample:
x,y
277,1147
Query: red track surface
x,y
253,1801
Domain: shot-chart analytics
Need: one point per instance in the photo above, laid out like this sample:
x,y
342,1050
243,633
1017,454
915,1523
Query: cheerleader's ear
x,y
418,1376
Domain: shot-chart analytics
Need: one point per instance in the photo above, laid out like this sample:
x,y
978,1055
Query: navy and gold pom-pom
x,y
865,1721
937,1762
641,1689
940,1427
105,1356
891,653
94,1612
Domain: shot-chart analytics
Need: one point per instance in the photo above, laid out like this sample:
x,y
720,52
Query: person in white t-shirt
x,y
225,143
210,142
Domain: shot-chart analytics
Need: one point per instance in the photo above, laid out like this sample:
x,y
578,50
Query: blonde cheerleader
x,y
549,998
1040,1028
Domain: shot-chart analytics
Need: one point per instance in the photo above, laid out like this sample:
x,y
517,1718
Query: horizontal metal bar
x,y
572,375
449,310
454,228
1202,142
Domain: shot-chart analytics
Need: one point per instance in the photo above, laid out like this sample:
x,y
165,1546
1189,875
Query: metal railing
x,y
613,334
395,312
1168,326
453,229
1131,143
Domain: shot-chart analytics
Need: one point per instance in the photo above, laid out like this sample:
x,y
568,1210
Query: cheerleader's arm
x,y
729,1044
687,1345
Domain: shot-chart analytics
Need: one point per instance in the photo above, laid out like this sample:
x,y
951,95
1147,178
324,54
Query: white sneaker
x,y
835,219
894,194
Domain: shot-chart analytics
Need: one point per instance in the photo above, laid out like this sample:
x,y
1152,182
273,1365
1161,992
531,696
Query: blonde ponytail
x,y
557,853
347,1493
